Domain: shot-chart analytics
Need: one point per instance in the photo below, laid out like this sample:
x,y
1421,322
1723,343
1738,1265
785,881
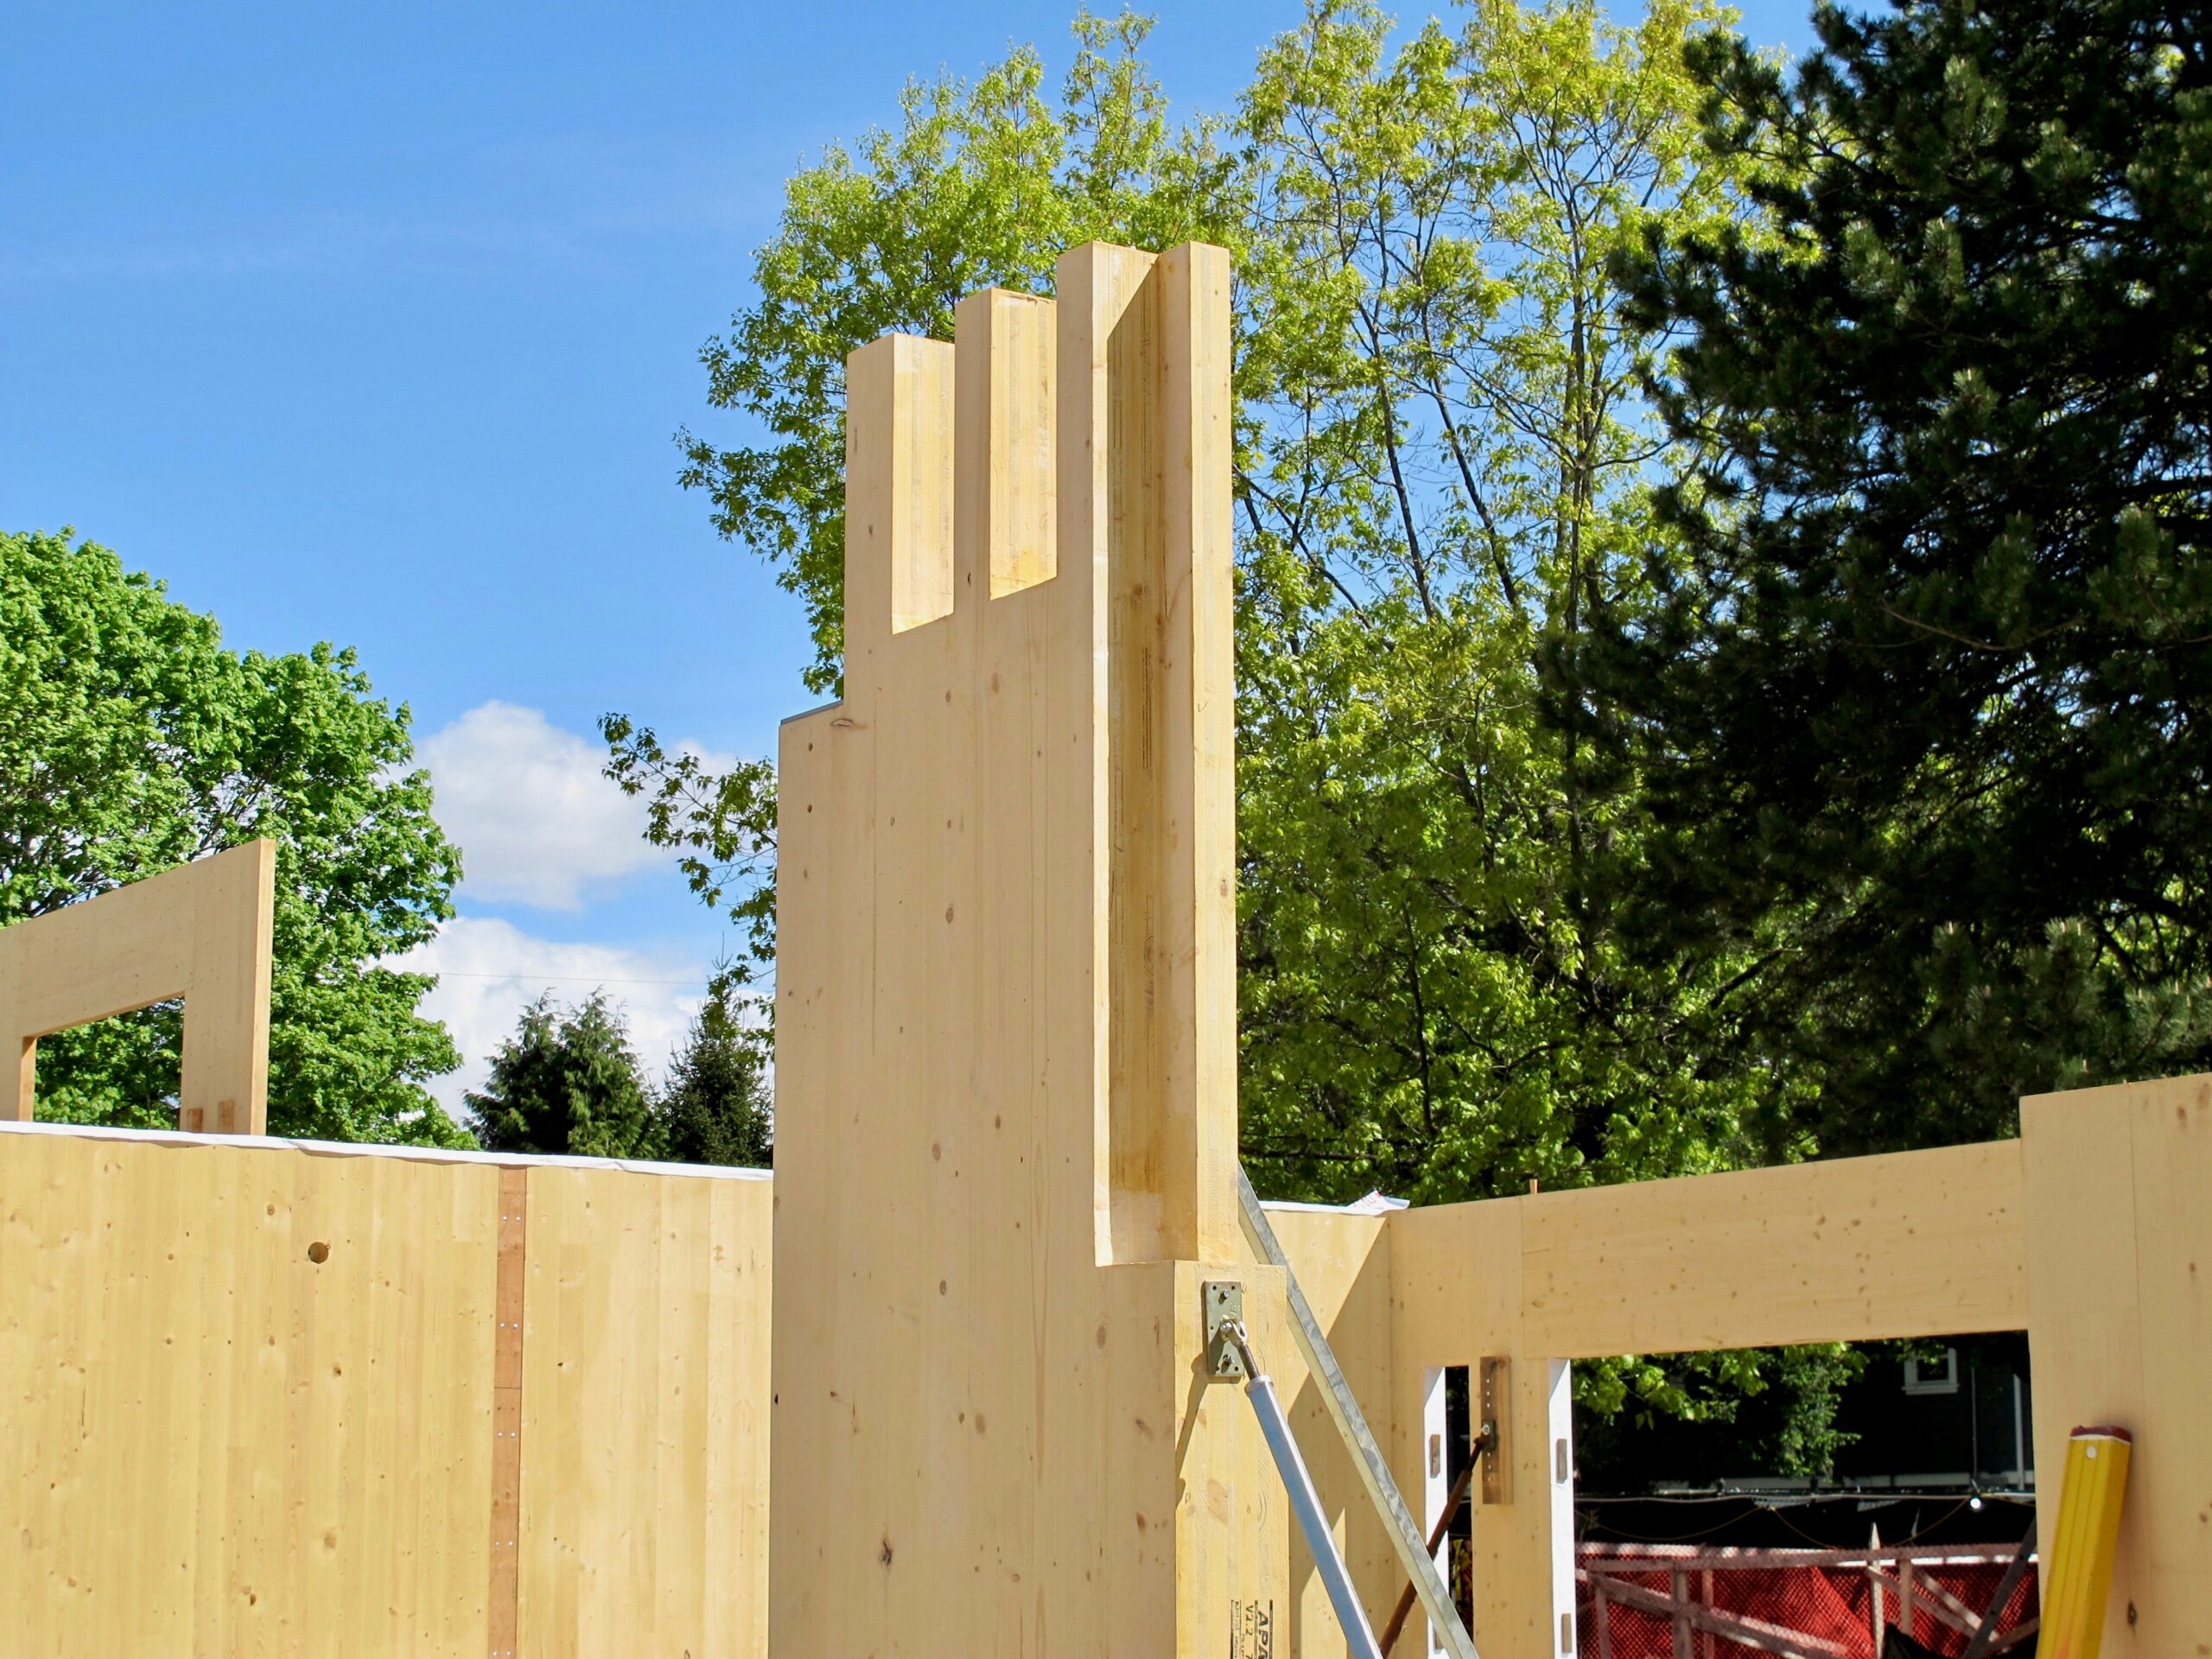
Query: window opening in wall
x,y
1689,1529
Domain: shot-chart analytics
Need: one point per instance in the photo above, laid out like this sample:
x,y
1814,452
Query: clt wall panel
x,y
200,932
644,1420
247,1393
1005,1007
1457,1290
1342,1262
242,1399
1909,1244
247,1390
2119,1331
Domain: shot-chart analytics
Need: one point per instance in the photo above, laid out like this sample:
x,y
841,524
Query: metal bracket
x,y
1496,1386
1223,1300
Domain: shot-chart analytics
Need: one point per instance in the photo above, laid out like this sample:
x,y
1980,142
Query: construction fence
x,y
1653,1601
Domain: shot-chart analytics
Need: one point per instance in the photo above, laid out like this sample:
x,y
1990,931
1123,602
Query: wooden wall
x,y
211,1442
1926,1244
200,932
246,1393
2092,1232
2119,1331
1006,1007
645,1495
1343,1263
248,1388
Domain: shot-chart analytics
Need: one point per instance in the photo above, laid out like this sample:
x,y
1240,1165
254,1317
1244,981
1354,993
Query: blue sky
x,y
373,324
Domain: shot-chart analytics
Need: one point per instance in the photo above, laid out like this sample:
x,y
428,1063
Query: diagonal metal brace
x,y
1351,1423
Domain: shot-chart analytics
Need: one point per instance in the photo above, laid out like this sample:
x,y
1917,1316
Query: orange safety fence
x,y
1651,1601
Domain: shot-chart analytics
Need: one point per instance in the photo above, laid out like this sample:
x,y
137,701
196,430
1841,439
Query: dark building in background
x,y
1937,1418
1956,1421
1941,1448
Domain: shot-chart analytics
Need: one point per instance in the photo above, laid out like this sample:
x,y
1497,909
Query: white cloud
x,y
489,969
536,823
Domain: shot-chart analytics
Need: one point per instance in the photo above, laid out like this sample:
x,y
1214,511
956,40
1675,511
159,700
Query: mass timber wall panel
x,y
213,1441
200,932
2091,1231
248,1392
2120,1332
1911,1244
1005,1044
644,1419
1923,1244
1342,1262
1458,1284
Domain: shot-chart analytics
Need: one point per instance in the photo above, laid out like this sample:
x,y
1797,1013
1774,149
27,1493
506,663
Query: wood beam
x,y
199,933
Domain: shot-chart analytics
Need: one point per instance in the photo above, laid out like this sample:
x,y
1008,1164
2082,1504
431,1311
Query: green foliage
x,y
567,1083
1445,472
130,741
723,826
1927,693
983,184
715,1105
1719,628
1729,1414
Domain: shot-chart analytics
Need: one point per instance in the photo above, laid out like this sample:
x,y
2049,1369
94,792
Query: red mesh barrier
x,y
1819,1605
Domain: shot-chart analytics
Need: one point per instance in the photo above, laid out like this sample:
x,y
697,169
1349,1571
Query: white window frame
x,y
1945,1381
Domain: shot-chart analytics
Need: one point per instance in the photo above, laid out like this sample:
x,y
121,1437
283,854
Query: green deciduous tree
x,y
981,184
1444,468
1445,476
1928,694
131,741
1443,462
567,1083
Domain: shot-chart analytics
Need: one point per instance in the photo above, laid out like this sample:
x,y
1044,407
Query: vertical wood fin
x,y
1201,812
1098,285
1172,744
1005,453
898,495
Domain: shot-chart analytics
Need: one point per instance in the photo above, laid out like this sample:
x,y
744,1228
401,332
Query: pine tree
x,y
567,1082
1926,718
715,1108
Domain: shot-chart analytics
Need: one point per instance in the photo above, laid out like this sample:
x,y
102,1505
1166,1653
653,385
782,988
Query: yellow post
x,y
2079,1578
